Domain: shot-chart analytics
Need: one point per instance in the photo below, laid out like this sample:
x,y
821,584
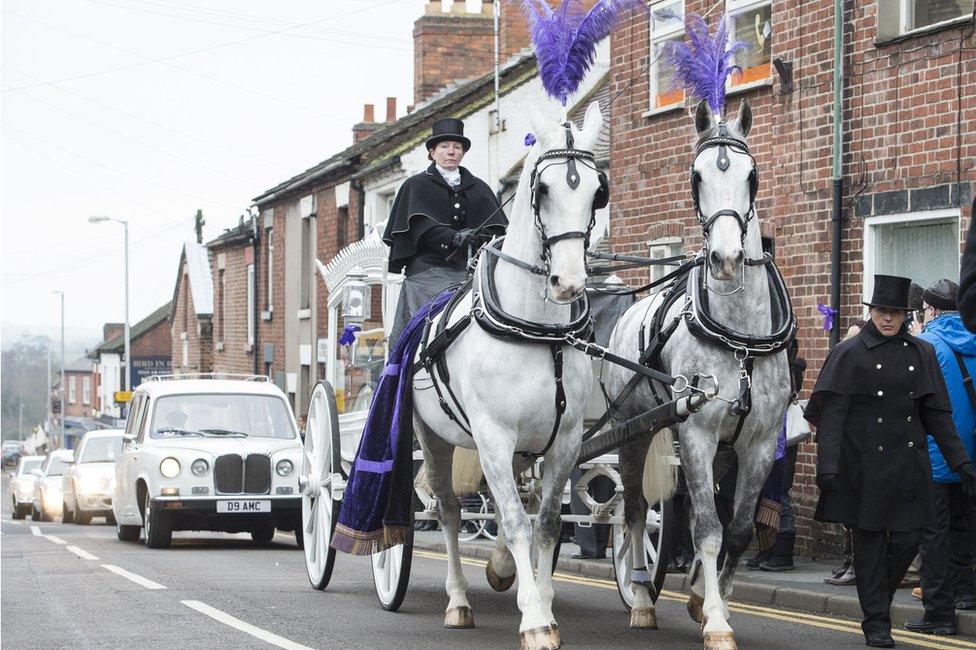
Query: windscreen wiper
x,y
225,432
178,431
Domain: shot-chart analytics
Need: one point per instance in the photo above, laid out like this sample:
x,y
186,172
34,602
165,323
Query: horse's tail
x,y
466,472
660,471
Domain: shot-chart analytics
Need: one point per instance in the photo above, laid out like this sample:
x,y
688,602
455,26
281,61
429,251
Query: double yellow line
x,y
812,620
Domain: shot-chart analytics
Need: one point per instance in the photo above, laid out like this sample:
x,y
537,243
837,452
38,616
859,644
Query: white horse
x,y
508,388
739,298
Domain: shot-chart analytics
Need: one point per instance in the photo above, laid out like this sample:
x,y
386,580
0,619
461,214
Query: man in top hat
x,y
438,215
947,548
877,395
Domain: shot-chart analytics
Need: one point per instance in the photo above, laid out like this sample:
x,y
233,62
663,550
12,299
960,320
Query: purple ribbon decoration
x,y
529,140
349,334
828,314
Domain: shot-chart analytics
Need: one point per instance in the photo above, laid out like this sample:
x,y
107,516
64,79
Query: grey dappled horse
x,y
507,387
747,311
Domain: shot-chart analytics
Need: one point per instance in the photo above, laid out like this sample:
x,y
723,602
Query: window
x,y
660,249
86,390
923,246
342,226
269,237
667,25
72,389
305,285
751,22
250,305
898,17
186,351
221,304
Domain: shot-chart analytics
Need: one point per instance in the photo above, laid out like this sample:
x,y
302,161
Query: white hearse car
x,y
22,485
89,482
208,452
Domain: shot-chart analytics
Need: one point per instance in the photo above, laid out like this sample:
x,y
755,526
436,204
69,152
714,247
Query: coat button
x,y
457,205
911,368
880,393
909,418
880,447
878,366
911,444
904,344
880,420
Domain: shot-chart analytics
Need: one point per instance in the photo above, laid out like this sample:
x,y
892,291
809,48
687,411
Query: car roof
x,y
62,453
190,386
104,433
26,458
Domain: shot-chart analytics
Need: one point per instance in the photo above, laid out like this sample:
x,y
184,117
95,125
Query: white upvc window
x,y
923,246
72,389
250,305
922,14
662,248
667,25
185,353
751,21
269,235
86,386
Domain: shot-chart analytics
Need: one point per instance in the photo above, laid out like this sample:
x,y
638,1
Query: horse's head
x,y
723,185
567,189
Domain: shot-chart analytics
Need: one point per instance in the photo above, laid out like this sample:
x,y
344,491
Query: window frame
x,y
870,239
86,389
732,8
669,246
655,37
72,389
905,18
269,235
250,285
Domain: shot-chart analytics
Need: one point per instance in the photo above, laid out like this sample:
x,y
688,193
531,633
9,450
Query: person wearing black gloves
x,y
875,398
437,217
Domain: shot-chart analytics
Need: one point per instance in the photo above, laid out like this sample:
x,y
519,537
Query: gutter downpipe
x,y
361,208
837,213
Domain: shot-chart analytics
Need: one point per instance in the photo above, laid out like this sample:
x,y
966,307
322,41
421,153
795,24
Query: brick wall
x,y
231,352
271,323
449,46
154,342
78,408
197,330
908,145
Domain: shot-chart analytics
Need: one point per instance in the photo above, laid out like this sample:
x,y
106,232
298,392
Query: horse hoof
x,y
458,618
643,618
497,582
720,641
695,604
540,638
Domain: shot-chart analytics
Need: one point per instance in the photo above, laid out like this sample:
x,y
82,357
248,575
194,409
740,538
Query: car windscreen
x,y
28,465
56,467
221,415
102,450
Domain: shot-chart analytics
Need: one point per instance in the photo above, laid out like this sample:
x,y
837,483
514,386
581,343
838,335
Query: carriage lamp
x,y
284,467
200,467
170,467
356,294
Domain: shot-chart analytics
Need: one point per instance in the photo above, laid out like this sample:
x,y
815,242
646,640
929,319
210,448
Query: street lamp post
x,y
63,385
20,422
125,295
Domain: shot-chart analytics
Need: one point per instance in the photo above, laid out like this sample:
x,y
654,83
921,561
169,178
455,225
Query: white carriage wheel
x,y
391,572
489,527
471,529
321,467
657,549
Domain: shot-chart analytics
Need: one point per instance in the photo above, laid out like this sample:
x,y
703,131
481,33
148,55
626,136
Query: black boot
x,y
782,558
762,556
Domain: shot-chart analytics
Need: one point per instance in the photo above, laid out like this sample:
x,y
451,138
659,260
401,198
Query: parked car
x,y
22,485
47,487
207,454
89,482
11,452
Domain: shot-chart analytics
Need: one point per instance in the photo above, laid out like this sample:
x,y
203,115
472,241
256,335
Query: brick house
x,y
80,399
909,146
191,312
234,299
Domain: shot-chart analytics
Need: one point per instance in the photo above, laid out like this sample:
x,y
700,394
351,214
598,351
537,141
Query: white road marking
x,y
36,531
12,523
256,632
128,575
52,538
82,553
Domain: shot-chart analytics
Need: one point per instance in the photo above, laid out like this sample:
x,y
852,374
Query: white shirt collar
x,y
451,177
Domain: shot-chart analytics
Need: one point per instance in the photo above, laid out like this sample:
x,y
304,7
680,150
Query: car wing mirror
x,y
129,437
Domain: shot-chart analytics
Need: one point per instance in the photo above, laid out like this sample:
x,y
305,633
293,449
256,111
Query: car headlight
x,y
284,467
170,467
200,467
94,483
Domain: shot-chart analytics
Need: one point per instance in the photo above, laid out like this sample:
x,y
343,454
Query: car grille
x,y
234,474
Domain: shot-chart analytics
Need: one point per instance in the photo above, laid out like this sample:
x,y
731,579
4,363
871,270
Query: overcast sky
x,y
147,110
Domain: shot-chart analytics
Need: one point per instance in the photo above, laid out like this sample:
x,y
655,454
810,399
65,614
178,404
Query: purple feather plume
x,y
703,64
565,39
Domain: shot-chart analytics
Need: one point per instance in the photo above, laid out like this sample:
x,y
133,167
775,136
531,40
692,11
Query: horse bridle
x,y
724,142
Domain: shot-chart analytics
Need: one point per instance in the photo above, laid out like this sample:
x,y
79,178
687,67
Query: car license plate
x,y
244,506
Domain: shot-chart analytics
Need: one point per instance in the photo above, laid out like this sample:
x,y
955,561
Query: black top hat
x,y
942,295
890,291
448,128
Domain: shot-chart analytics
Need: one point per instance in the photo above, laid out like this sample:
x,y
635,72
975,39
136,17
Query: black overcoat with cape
x,y
425,201
873,403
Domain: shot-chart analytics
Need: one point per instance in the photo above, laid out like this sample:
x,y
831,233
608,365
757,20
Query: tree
x,y
24,380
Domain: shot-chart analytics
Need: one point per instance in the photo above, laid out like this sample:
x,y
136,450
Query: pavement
x,y
802,589
69,586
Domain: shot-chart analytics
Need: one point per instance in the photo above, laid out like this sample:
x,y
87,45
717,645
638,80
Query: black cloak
x,y
425,201
874,401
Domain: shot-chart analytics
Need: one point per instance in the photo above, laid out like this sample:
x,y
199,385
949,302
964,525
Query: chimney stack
x,y
391,109
367,126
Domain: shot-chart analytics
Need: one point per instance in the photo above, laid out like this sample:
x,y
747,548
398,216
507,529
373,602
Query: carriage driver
x,y
434,219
